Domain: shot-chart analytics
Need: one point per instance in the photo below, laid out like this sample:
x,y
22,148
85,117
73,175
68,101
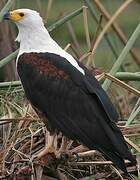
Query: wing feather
x,y
74,104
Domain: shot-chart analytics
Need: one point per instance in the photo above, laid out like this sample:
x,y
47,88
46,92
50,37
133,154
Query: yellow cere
x,y
16,16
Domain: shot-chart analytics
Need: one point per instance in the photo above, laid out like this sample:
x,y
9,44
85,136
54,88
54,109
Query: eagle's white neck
x,y
37,39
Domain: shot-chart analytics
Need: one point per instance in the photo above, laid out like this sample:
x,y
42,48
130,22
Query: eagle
x,y
65,92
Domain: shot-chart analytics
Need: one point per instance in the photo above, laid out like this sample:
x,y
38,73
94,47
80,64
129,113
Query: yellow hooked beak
x,y
14,16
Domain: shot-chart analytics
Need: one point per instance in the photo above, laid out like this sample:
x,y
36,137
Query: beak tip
x,y
6,16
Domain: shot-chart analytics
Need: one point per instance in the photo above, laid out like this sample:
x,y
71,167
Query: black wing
x,y
94,87
75,104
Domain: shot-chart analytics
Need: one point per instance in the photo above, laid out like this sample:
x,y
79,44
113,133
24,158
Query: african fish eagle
x,y
65,92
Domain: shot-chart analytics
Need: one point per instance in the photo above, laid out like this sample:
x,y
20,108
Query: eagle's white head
x,y
33,36
29,23
24,17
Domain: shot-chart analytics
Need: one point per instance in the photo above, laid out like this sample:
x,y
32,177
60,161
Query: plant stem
x,y
122,56
110,22
6,8
126,76
106,36
116,29
123,84
132,116
10,83
7,59
65,19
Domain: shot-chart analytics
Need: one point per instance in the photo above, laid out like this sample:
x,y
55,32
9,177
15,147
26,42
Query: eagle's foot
x,y
75,156
63,157
67,156
47,151
51,152
48,154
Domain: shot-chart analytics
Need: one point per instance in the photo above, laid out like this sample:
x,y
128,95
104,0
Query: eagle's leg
x,y
62,149
63,153
50,147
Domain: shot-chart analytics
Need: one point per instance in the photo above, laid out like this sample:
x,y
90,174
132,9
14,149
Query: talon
x,y
47,156
76,156
64,157
47,151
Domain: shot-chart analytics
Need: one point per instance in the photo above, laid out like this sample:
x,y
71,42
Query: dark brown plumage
x,y
74,104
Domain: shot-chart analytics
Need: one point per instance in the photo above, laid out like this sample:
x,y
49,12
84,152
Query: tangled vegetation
x,y
22,133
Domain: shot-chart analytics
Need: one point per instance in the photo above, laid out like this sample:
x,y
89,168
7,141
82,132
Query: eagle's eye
x,y
21,14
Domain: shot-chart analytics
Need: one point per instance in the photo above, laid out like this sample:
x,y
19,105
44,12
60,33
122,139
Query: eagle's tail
x,y
118,160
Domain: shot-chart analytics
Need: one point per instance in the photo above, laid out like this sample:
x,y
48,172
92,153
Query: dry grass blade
x,y
122,84
117,172
17,119
84,56
96,163
97,33
134,112
133,115
89,53
94,42
67,46
136,106
74,37
73,49
50,2
87,153
85,17
39,7
132,144
20,153
130,129
100,76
